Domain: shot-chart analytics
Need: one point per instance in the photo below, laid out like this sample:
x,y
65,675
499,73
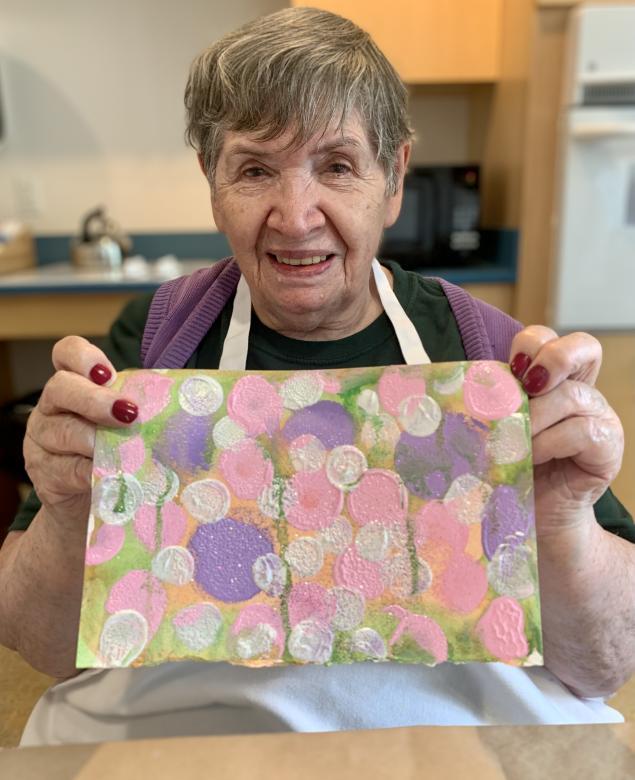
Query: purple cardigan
x,y
183,310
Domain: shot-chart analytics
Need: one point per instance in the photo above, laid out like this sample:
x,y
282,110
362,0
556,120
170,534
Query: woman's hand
x,y
578,440
60,436
587,575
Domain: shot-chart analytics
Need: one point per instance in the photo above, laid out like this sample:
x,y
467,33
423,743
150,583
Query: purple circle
x,y
326,420
504,520
186,443
428,464
224,554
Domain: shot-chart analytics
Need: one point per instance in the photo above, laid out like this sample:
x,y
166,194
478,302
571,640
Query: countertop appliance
x,y
438,223
594,270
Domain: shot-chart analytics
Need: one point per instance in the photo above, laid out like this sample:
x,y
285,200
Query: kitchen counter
x,y
65,278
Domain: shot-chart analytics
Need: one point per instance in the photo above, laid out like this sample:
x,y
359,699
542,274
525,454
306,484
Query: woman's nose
x,y
296,210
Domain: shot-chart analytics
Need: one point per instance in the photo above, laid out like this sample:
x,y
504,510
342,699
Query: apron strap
x,y
407,336
234,354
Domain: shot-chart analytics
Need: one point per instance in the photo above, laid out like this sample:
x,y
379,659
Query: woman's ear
x,y
201,164
394,200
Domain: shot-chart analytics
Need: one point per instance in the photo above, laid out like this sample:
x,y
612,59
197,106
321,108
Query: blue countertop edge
x,y
500,267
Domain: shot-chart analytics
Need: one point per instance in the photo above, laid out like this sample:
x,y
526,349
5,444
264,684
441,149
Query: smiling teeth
x,y
303,261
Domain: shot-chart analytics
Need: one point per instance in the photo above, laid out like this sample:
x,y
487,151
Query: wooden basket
x,y
17,253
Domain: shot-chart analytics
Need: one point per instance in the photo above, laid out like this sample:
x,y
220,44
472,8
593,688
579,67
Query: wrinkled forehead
x,y
350,134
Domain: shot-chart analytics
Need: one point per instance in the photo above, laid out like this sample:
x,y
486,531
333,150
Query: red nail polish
x,y
125,411
520,364
100,374
536,380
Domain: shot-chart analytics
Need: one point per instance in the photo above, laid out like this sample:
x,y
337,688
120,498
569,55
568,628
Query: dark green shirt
x,y
424,302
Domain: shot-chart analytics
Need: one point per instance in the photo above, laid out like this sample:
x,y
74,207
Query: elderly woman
x,y
301,130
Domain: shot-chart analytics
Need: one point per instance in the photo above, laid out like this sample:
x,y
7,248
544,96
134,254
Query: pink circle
x,y
426,632
245,469
379,497
352,571
502,629
173,524
141,591
133,454
255,405
490,392
149,390
308,600
395,386
434,523
254,615
317,502
463,584
108,541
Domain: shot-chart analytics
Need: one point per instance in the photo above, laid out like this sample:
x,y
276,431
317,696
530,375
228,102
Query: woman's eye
x,y
254,172
339,168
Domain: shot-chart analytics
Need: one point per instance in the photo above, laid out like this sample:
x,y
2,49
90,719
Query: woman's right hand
x,y
60,435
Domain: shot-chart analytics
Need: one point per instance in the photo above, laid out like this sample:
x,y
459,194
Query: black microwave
x,y
439,220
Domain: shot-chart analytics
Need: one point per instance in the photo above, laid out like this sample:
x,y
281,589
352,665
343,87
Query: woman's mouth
x,y
299,260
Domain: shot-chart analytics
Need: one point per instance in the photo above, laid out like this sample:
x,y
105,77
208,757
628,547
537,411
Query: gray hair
x,y
298,69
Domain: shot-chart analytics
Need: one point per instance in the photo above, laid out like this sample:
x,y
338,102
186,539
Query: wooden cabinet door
x,y
430,41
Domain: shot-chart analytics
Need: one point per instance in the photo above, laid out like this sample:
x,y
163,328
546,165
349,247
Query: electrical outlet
x,y
28,194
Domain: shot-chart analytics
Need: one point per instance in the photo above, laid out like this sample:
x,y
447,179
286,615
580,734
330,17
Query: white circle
x,y
466,498
419,415
159,483
256,641
509,571
509,442
118,498
368,401
369,643
276,498
372,541
123,638
203,631
305,556
449,385
345,466
200,395
270,574
337,537
301,390
207,500
311,642
307,453
399,575
380,431
349,608
174,565
227,433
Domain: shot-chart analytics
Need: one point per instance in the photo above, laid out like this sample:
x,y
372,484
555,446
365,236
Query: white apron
x,y
190,698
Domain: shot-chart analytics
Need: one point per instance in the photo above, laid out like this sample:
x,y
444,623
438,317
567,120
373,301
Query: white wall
x,y
93,103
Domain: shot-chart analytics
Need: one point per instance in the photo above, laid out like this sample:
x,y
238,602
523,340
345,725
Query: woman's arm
x,y
41,568
587,576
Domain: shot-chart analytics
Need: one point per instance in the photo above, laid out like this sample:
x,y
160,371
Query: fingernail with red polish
x,y
125,411
100,374
520,364
536,380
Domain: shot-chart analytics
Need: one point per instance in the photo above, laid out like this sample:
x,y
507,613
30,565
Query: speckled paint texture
x,y
268,518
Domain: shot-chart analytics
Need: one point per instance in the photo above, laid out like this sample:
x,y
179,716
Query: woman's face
x,y
304,225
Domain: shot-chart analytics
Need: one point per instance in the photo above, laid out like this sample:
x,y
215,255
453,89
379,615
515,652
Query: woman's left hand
x,y
578,440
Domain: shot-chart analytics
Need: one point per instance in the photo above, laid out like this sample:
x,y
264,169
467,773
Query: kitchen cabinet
x,y
430,41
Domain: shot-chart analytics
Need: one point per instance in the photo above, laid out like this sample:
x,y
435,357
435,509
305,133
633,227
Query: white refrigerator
x,y
594,271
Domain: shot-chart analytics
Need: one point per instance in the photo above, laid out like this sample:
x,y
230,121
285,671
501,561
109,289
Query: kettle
x,y
101,243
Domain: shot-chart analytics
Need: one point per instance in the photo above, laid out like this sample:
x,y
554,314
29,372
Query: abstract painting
x,y
294,517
